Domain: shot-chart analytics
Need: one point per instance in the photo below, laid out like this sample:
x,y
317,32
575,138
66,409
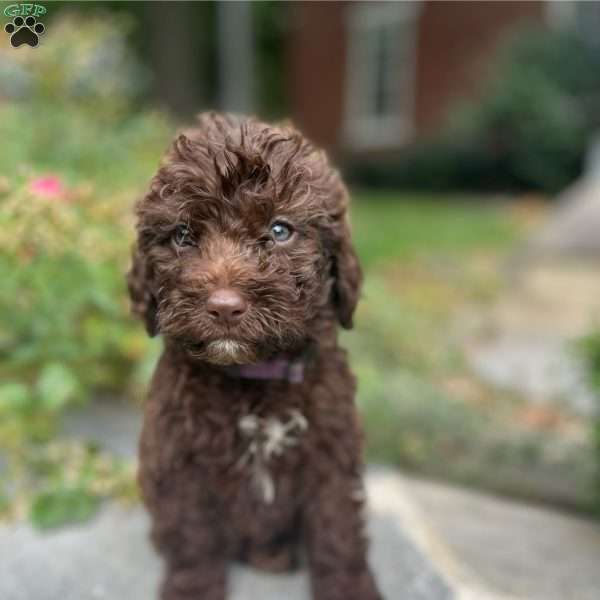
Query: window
x,y
581,17
380,73
588,22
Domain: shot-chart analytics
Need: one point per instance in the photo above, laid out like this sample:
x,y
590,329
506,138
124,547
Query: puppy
x,y
251,446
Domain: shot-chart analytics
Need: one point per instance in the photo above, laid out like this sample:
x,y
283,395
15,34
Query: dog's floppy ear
x,y
346,271
143,301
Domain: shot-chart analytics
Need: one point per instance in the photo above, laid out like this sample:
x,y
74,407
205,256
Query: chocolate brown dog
x,y
251,445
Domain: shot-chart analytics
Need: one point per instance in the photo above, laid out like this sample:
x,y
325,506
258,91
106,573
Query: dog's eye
x,y
181,236
281,232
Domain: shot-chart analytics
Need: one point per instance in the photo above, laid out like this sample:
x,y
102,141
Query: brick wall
x,y
316,59
455,42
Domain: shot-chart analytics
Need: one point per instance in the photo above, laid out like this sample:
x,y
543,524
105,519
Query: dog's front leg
x,y
185,530
195,562
336,544
194,574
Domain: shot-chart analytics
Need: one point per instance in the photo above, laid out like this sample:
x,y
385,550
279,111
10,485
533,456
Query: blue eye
x,y
181,236
281,232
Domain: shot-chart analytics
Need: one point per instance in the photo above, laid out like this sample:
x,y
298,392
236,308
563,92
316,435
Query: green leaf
x,y
4,502
56,386
66,505
14,397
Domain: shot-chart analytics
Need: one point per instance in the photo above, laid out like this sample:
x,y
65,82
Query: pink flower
x,y
50,187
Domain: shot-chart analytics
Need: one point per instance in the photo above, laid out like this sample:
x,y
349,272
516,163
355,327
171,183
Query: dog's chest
x,y
267,444
253,453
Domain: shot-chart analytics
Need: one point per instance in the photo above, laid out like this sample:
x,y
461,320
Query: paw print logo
x,y
24,31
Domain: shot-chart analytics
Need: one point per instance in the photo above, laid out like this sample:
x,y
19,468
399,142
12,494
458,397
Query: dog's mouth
x,y
223,351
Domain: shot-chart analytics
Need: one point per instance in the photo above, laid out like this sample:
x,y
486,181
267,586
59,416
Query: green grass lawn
x,y
424,258
391,225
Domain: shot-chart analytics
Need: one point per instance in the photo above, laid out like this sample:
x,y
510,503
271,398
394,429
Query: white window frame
x,y
363,128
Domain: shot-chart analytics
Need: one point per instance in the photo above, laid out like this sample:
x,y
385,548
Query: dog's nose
x,y
225,305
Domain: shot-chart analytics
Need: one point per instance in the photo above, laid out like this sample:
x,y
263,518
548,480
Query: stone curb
x,y
389,494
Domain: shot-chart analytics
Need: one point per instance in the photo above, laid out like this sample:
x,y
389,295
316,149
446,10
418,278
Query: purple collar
x,y
279,367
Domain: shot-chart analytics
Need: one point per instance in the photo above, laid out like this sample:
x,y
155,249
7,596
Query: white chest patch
x,y
268,438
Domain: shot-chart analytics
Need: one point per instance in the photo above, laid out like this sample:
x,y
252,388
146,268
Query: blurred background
x,y
468,132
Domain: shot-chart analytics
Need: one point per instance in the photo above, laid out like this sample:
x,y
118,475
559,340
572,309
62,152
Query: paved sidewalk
x,y
518,549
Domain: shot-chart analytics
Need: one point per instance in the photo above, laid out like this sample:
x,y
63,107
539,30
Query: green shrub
x,y
65,328
528,129
589,348
76,152
63,312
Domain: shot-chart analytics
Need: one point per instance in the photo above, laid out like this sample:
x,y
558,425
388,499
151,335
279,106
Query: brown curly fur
x,y
228,179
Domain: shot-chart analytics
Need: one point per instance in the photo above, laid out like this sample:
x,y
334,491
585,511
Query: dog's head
x,y
243,243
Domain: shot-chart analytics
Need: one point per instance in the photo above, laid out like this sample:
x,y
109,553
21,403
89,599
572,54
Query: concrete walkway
x,y
516,549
